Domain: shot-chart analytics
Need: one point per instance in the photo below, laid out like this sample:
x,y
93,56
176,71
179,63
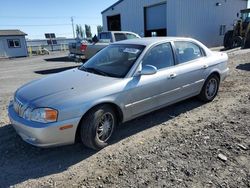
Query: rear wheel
x,y
98,126
210,88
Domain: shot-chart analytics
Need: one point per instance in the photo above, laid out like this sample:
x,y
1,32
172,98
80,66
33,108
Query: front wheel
x,y
210,88
98,126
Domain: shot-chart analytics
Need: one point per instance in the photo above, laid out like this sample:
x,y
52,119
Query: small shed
x,y
13,44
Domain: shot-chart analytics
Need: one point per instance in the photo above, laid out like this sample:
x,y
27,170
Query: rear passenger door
x,y
190,68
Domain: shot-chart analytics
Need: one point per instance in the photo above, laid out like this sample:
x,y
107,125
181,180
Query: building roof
x,y
118,2
12,32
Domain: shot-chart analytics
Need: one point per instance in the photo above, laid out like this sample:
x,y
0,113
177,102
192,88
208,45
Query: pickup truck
x,y
82,50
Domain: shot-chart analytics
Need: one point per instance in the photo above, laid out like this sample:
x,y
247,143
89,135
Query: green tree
x,y
79,31
99,29
88,31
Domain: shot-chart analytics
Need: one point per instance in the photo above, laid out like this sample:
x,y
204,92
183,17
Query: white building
x,y
205,20
13,43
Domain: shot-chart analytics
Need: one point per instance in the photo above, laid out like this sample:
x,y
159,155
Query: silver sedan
x,y
123,81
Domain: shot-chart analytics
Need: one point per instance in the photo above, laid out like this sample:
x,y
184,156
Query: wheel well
x,y
115,107
216,74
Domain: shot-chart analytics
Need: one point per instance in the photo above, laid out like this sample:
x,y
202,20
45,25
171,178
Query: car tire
x,y
210,88
98,126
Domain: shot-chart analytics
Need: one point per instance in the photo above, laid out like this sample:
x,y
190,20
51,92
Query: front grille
x,y
18,107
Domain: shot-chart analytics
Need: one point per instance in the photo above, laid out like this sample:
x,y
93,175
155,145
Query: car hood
x,y
66,84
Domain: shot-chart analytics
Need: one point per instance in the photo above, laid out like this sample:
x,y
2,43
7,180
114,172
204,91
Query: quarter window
x,y
187,51
160,56
15,43
131,36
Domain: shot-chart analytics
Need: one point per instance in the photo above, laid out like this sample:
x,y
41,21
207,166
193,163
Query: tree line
x,y
86,32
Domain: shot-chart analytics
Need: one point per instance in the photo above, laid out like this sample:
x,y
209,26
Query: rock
x,y
99,178
222,157
120,173
242,146
206,137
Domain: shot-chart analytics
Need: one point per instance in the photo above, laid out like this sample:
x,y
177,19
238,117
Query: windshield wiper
x,y
94,70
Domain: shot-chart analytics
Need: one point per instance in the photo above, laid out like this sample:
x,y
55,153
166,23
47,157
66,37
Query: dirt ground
x,y
190,144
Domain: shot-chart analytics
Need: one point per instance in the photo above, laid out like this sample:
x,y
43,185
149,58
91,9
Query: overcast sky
x,y
38,17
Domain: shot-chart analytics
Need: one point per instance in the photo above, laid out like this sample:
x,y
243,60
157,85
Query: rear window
x,y
104,36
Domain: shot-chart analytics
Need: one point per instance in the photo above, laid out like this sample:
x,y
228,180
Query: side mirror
x,y
148,70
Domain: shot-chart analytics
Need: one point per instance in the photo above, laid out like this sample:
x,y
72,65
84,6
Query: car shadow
x,y
59,59
64,59
245,67
20,161
53,71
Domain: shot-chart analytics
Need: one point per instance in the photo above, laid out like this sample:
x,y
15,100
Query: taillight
x,y
83,47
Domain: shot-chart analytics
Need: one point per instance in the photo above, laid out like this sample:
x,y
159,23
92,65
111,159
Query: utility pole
x,y
73,28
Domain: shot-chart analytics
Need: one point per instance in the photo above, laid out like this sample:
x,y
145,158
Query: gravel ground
x,y
190,144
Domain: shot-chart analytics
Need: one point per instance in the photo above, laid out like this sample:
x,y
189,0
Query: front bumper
x,y
44,135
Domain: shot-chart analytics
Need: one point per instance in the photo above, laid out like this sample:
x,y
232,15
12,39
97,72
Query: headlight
x,y
41,115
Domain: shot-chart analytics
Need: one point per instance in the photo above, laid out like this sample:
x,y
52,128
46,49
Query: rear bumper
x,y
44,135
77,57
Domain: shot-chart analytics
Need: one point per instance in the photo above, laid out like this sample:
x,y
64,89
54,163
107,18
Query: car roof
x,y
147,41
123,32
150,41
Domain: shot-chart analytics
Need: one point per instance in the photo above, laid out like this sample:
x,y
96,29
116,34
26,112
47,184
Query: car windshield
x,y
113,61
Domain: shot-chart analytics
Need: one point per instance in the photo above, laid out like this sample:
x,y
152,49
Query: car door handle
x,y
205,66
172,76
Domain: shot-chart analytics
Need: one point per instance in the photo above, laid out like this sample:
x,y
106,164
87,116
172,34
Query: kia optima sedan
x,y
125,80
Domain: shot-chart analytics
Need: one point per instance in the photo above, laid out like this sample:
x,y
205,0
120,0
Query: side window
x,y
131,36
120,36
187,51
160,56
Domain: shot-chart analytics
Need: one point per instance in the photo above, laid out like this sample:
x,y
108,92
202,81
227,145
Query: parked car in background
x,y
82,50
125,80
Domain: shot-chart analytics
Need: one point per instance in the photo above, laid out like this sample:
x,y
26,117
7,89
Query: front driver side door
x,y
146,91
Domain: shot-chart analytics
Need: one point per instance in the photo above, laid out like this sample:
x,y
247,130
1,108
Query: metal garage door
x,y
156,20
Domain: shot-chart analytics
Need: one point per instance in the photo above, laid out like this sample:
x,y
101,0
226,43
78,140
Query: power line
x,y
48,17
47,25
